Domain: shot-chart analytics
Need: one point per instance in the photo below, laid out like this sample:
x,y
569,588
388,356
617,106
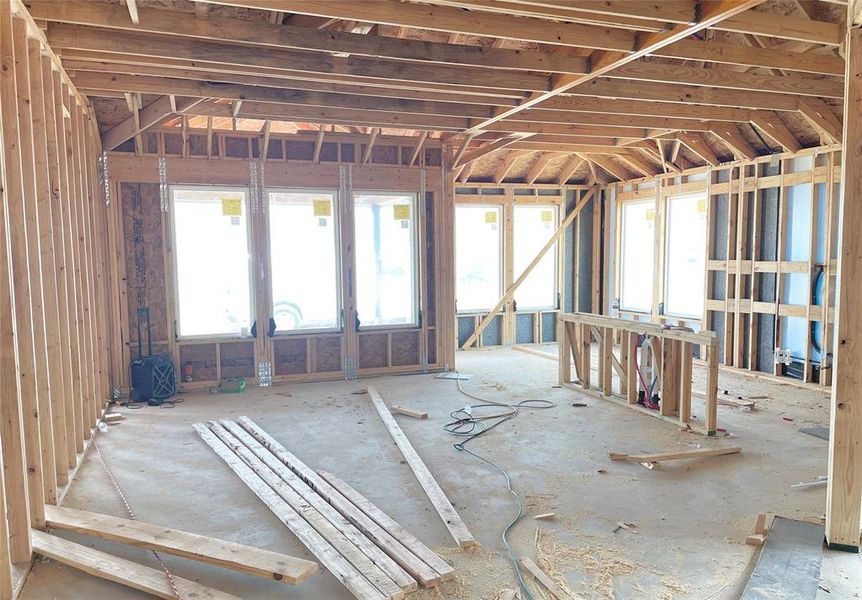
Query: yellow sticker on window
x,y
547,216
650,214
322,208
401,212
701,205
231,207
491,217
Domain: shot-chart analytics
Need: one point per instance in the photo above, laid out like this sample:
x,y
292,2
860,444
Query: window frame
x,y
416,323
654,199
339,263
501,209
668,200
553,251
246,190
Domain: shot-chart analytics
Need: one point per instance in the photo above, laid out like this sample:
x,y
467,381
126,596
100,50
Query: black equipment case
x,y
152,377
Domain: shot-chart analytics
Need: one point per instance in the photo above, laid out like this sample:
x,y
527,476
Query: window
x,y
211,261
638,237
533,226
478,257
385,240
685,268
303,250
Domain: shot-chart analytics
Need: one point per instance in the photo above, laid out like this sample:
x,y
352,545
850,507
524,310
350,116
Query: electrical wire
x,y
469,426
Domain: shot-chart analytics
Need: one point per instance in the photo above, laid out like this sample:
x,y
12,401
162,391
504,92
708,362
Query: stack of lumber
x,y
370,554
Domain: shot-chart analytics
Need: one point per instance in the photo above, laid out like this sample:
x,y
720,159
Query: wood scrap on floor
x,y
408,412
368,560
435,494
545,516
543,578
678,455
627,526
237,557
119,570
112,418
757,538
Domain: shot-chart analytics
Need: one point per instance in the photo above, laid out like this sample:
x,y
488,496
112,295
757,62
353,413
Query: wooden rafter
x,y
478,153
821,117
132,6
508,163
772,125
540,165
372,137
604,62
698,145
148,116
730,134
573,164
420,144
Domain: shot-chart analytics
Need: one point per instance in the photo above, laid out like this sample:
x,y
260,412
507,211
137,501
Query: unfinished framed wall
x,y
342,164
770,258
574,260
54,325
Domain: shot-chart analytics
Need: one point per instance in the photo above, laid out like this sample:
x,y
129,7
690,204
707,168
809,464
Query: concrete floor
x,y
692,516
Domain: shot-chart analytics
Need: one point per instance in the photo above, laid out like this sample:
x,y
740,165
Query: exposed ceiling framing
x,y
538,90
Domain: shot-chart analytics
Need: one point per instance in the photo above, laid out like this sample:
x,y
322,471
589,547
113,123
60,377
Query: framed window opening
x,y
478,257
685,256
533,225
637,255
211,241
304,260
386,243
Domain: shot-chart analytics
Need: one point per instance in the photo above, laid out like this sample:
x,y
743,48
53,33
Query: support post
x,y
844,488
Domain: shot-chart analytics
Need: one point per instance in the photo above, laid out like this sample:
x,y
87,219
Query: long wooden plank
x,y
334,562
438,498
386,522
510,292
347,529
416,564
352,553
682,454
424,565
230,555
120,570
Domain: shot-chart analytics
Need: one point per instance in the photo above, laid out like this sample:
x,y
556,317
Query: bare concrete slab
x,y
691,517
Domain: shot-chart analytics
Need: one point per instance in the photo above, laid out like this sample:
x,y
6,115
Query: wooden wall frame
x,y
506,196
731,181
385,171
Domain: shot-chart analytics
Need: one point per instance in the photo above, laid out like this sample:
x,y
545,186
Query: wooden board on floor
x,y
682,454
408,412
237,557
329,557
119,570
543,578
394,529
441,503
402,553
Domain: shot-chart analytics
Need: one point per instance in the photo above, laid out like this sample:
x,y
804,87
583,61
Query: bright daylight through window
x,y
211,254
478,257
303,244
386,278
533,227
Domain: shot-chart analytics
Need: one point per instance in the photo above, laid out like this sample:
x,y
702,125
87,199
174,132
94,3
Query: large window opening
x,y
211,261
386,272
637,265
533,226
685,256
478,257
303,245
